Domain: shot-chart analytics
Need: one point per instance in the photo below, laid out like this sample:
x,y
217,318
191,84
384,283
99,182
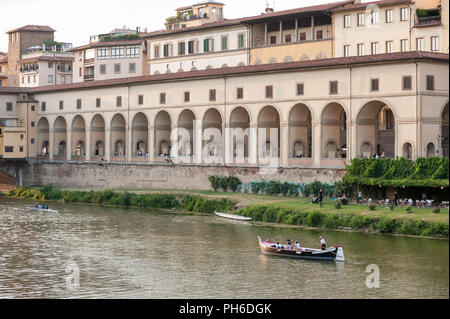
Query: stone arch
x,y
156,73
78,136
321,55
258,62
97,136
268,124
209,67
225,66
180,70
43,136
334,127
431,150
300,131
193,68
375,123
241,64
139,134
163,128
272,60
407,150
288,59
240,126
366,149
212,133
118,131
168,71
60,136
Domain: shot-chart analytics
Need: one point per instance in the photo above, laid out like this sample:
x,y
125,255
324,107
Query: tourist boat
x,y
332,253
40,209
232,216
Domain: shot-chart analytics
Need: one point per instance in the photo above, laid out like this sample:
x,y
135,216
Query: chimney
x,y
269,10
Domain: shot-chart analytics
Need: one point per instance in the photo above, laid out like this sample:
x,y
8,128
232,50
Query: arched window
x,y
407,151
431,151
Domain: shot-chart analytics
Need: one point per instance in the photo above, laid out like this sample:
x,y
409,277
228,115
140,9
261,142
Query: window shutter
x,y
212,45
205,45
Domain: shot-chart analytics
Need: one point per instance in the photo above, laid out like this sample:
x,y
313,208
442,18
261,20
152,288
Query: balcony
x,y
89,77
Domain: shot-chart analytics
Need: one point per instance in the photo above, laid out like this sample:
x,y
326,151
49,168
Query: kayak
x,y
40,209
232,216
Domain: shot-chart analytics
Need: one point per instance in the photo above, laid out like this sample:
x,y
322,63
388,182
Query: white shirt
x,y
322,241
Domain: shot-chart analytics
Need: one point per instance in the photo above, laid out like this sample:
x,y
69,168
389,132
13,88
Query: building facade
x,y
276,115
3,69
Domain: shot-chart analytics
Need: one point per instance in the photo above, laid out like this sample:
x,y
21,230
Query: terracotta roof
x,y
47,58
30,27
226,22
11,90
359,6
107,44
243,70
3,58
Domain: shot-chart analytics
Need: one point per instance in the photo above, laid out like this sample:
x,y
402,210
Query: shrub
x,y
372,207
386,225
338,205
314,219
233,183
392,207
409,210
436,210
215,182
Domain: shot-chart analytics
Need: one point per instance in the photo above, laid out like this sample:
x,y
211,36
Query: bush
x,y
372,207
338,205
436,210
215,182
314,219
409,210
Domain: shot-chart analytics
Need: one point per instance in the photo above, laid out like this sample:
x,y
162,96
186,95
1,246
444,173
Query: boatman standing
x,y
322,243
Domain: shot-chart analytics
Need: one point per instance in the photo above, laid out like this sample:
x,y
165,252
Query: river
x,y
133,253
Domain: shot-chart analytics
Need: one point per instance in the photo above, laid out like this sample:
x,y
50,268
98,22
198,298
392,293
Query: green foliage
x,y
338,205
372,207
409,210
224,182
436,210
424,172
123,37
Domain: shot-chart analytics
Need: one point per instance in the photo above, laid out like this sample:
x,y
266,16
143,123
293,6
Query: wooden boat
x,y
332,253
40,209
232,216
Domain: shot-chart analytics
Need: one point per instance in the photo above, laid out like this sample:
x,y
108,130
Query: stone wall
x,y
96,176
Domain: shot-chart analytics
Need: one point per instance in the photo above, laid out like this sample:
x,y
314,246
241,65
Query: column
x,y
296,30
88,144
281,32
198,142
129,143
266,34
253,138
51,144
69,144
151,143
108,144
284,144
174,142
316,143
227,145
313,33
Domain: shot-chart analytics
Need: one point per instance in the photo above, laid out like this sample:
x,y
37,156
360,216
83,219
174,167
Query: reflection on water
x,y
140,254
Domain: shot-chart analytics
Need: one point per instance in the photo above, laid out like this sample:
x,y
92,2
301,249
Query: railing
x,y
89,76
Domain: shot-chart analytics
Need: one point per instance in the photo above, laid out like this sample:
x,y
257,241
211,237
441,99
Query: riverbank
x,y
270,209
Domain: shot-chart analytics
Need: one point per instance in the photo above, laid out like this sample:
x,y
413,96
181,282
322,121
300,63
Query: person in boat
x,y
43,206
288,244
322,243
36,205
297,245
279,246
46,206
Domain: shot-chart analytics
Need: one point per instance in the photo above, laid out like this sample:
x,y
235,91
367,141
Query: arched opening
x,y
118,136
60,132
366,150
375,124
300,132
43,137
407,151
139,133
269,133
334,132
78,137
163,129
212,134
186,133
444,131
431,151
240,130
98,136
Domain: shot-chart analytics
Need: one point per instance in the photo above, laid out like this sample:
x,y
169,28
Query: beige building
x,y
395,104
390,26
45,68
3,69
195,15
105,60
18,125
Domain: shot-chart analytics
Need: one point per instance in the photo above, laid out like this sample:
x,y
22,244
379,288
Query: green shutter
x,y
212,45
205,45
